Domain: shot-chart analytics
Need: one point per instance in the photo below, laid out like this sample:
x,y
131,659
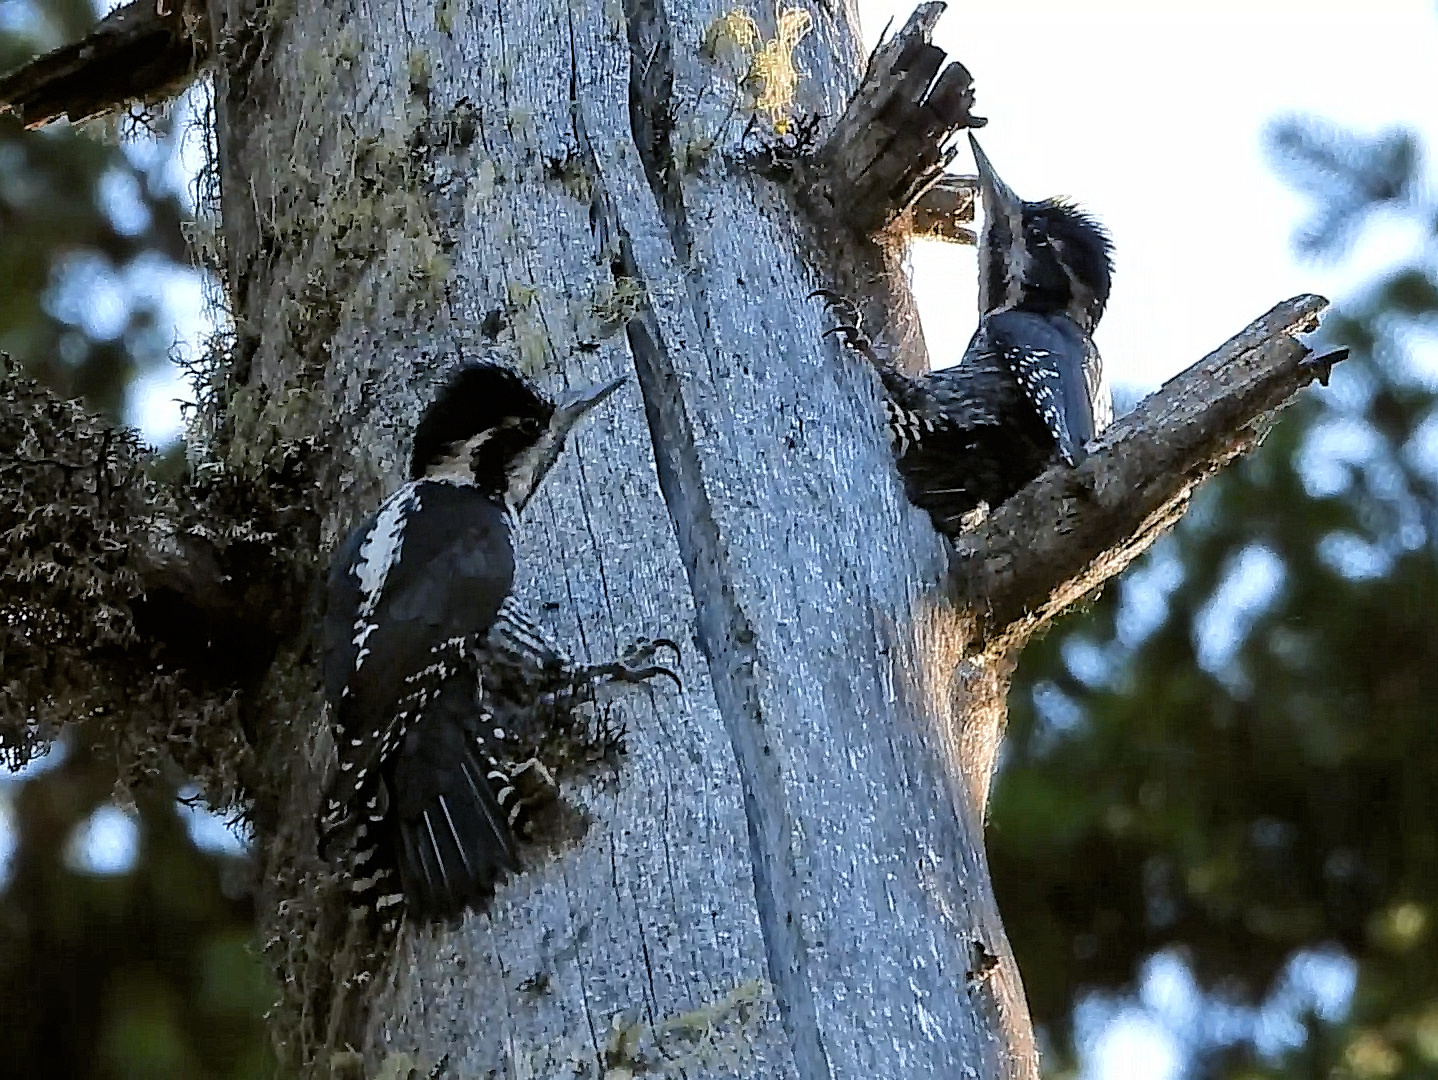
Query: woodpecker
x,y
1030,388
431,665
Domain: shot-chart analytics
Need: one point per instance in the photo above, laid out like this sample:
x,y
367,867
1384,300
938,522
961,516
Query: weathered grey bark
x,y
784,878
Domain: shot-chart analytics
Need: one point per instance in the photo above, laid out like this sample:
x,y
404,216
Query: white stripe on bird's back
x,y
377,556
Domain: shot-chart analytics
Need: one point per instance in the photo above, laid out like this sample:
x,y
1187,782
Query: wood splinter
x,y
892,142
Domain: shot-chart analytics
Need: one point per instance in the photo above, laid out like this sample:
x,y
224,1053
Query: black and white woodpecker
x,y
427,653
1030,388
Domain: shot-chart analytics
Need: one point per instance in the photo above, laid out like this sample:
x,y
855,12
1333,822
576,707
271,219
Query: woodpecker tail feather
x,y
423,812
451,822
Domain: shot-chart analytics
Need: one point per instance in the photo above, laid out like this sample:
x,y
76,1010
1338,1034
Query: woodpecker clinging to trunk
x,y
431,665
1030,388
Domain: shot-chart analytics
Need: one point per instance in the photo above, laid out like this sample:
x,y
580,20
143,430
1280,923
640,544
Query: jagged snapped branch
x,y
1073,529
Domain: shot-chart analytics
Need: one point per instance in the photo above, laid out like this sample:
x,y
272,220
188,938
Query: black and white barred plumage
x,y
412,593
1030,388
431,666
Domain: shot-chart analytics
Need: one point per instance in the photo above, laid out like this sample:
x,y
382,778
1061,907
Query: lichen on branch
x,y
68,502
133,609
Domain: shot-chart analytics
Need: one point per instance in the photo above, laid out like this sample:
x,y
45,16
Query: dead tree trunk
x,y
784,875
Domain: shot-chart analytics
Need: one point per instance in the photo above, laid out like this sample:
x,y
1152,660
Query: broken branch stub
x,y
891,144
944,209
148,51
1071,530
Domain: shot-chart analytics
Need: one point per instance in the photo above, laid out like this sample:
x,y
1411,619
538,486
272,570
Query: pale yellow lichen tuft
x,y
735,29
772,73
774,68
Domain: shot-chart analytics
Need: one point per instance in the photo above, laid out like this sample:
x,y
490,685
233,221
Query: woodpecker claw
x,y
840,306
854,337
639,675
634,666
836,302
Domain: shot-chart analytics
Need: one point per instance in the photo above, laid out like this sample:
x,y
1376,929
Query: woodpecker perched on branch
x,y
1030,388
432,668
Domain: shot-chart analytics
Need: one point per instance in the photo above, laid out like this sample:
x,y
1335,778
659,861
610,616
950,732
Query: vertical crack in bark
x,y
651,112
724,631
727,638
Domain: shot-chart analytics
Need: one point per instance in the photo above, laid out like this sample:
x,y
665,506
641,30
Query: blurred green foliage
x,y
1233,755
150,972
74,213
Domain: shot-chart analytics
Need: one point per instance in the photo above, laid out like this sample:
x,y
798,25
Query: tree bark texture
x,y
784,877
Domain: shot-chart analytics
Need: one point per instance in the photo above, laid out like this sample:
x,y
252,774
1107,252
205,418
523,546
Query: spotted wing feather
x,y
1050,359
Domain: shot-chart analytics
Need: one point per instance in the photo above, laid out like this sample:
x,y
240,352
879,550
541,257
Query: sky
x,y
1151,115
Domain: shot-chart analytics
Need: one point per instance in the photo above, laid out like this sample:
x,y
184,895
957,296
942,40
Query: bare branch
x,y
1073,529
145,51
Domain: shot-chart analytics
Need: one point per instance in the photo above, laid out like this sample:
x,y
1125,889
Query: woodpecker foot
x,y
636,665
841,307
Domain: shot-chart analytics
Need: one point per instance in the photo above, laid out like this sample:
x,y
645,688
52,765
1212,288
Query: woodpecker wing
x,y
1051,358
342,602
411,592
435,563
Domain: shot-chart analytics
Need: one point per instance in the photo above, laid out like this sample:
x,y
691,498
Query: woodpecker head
x,y
1039,256
491,428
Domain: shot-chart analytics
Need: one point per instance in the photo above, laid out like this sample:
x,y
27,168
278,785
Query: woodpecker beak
x,y
1002,256
525,480
999,198
575,405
